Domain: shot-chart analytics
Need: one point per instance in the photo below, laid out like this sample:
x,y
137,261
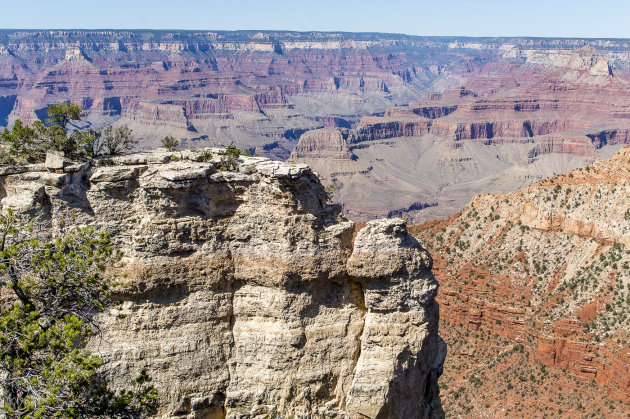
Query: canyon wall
x,y
246,294
545,270
252,88
257,88
516,121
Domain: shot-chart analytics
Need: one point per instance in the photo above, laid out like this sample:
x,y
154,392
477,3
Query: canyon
x,y
516,146
516,122
258,89
535,291
244,293
423,123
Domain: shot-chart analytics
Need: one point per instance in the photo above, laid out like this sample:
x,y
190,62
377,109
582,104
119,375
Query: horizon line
x,y
314,31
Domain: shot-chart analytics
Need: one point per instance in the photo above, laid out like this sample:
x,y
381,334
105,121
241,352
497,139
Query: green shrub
x,y
229,157
170,143
57,287
118,140
24,144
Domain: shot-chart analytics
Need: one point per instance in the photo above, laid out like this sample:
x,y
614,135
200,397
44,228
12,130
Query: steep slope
x,y
535,290
246,294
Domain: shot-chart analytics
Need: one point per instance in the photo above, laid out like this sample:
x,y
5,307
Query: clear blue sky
x,y
553,18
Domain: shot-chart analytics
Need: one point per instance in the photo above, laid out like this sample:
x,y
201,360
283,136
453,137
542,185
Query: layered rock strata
x,y
253,87
246,294
546,268
207,87
515,122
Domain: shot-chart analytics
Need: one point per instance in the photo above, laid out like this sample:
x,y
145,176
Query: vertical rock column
x,y
401,353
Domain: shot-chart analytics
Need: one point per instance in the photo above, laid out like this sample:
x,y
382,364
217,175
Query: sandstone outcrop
x,y
246,294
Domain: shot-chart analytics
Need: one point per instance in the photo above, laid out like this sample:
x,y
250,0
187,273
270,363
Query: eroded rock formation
x,y
209,87
516,122
251,87
536,284
246,293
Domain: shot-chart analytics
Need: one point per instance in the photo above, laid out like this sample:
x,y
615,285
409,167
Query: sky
x,y
543,18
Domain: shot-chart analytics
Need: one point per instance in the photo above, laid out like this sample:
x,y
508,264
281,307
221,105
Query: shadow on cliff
x,y
310,197
73,198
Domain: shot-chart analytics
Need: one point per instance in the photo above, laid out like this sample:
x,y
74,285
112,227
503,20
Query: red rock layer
x,y
250,87
214,78
547,268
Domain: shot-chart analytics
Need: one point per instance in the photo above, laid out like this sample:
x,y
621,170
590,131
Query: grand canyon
x,y
303,282
401,125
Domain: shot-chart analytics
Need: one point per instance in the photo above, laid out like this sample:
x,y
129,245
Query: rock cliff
x,y
323,143
246,293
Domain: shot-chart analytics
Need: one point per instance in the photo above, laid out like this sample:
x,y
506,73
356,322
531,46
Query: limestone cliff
x,y
326,143
247,295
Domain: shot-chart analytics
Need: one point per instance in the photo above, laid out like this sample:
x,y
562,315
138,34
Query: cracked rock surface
x,y
247,295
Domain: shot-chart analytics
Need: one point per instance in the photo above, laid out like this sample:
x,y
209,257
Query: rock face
x,y
246,294
326,143
546,268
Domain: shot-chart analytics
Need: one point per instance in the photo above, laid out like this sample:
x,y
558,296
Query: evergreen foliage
x,y
24,144
55,287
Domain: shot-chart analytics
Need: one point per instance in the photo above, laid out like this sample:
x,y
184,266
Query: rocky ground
x,y
535,297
